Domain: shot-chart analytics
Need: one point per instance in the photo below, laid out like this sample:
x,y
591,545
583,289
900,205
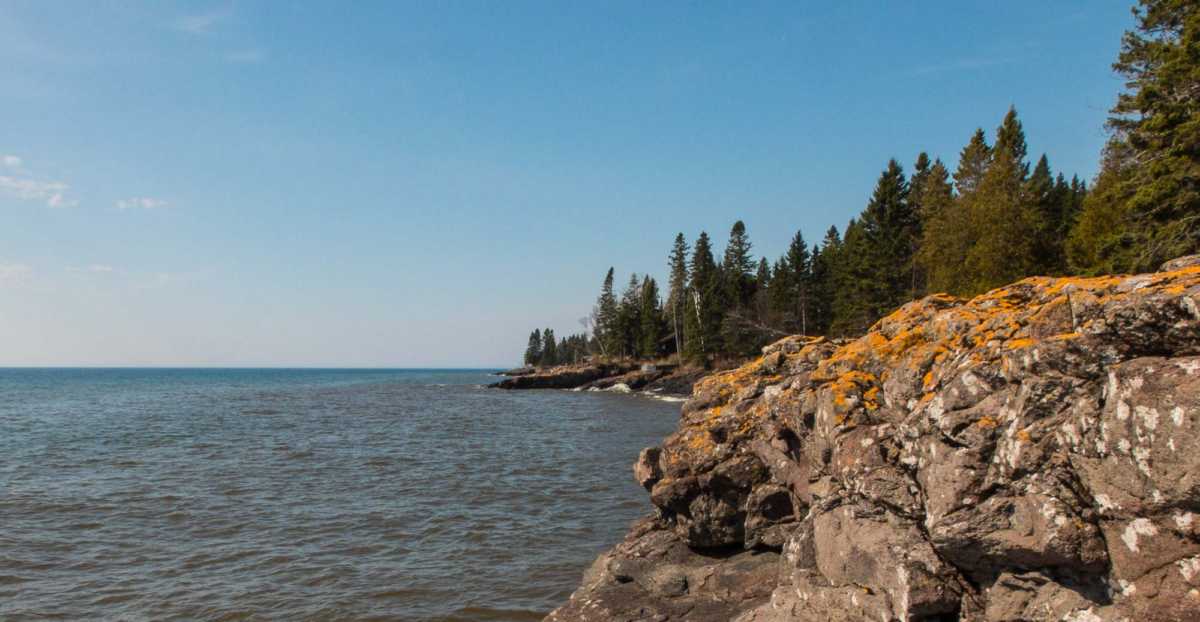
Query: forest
x,y
995,218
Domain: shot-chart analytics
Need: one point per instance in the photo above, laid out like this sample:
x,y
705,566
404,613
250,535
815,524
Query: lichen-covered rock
x,y
1031,454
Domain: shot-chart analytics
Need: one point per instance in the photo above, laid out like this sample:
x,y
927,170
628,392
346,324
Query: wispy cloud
x,y
203,23
961,64
10,161
248,57
96,268
14,273
141,203
53,193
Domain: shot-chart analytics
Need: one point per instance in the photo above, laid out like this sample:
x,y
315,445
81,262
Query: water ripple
x,y
306,495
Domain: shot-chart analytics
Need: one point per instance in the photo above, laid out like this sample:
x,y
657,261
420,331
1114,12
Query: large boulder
x,y
1030,454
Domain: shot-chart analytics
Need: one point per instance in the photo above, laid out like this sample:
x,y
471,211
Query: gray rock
x,y
1030,454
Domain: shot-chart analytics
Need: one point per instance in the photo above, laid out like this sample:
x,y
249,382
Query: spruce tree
x,y
762,287
1005,224
1046,200
533,352
945,236
889,231
854,293
629,318
780,298
1153,170
824,264
738,266
652,320
799,277
549,348
703,317
973,162
606,331
677,297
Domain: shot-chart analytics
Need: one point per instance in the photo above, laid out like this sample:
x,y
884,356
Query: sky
x,y
421,184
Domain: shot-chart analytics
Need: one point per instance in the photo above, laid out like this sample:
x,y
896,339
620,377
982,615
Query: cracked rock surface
x,y
1030,454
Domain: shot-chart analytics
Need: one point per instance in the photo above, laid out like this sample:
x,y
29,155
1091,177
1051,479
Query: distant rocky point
x,y
627,376
1031,454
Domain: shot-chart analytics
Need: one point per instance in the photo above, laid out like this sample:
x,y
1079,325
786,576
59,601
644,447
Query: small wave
x,y
664,398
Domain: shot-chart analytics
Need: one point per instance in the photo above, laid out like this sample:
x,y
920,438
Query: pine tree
x,y
738,267
629,318
799,277
606,331
889,231
652,326
549,348
737,272
677,297
1154,169
922,170
762,288
824,265
945,237
780,298
1005,225
533,352
1044,197
973,162
703,317
1103,239
853,290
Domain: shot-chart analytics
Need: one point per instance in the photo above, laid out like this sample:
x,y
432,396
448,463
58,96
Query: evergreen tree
x,y
1046,199
889,232
549,348
1103,239
703,317
762,287
606,331
677,297
1005,224
824,266
629,318
738,267
799,277
652,320
922,170
780,298
853,291
533,352
973,162
738,336
1153,169
945,237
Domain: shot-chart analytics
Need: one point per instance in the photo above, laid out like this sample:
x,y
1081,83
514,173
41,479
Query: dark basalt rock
x,y
1030,454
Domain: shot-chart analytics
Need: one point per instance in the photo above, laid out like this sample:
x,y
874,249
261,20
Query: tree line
x,y
992,220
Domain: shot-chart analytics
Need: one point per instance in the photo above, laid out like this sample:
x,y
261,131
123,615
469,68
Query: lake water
x,y
133,494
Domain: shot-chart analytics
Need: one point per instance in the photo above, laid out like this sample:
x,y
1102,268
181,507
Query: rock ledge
x,y
1031,454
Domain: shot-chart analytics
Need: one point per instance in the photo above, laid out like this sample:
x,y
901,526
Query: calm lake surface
x,y
134,494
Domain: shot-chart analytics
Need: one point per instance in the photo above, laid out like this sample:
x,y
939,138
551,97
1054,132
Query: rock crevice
x,y
1030,454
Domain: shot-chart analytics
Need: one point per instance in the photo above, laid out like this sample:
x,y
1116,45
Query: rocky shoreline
x,y
1030,454
625,377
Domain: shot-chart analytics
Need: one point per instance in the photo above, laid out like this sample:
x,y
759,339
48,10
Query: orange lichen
x,y
986,422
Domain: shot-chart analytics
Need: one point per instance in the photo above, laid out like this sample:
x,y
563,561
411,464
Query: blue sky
x,y
421,184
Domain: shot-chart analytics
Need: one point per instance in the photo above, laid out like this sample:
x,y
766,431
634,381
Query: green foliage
x,y
605,328
653,324
993,221
703,311
549,348
1151,167
677,296
533,352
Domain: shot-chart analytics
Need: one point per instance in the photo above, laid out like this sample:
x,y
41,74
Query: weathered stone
x,y
1030,454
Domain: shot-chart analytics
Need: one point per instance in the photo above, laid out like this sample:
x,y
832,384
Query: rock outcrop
x,y
565,376
665,380
1031,454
